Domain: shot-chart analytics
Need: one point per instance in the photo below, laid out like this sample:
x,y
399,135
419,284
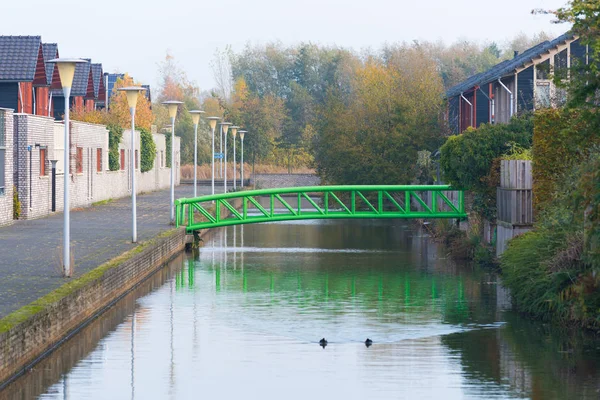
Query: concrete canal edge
x,y
31,332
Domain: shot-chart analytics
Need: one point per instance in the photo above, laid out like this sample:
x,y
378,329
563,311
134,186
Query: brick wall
x,y
6,199
269,181
22,344
88,184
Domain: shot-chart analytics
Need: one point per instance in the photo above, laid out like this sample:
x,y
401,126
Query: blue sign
x,y
218,155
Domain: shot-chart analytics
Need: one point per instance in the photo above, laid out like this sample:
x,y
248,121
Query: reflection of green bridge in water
x,y
323,202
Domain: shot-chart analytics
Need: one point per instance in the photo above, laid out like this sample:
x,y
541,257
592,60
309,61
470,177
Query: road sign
x,y
218,155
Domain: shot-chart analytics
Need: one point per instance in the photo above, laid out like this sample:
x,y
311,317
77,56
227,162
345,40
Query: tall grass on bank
x,y
204,171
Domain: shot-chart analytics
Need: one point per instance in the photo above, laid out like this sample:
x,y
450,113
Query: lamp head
x,y
212,122
225,126
234,130
66,69
242,134
196,116
132,94
172,107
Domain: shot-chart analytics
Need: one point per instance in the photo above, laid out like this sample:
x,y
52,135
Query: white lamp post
x,y
212,122
195,119
234,130
132,96
225,127
172,107
66,70
242,134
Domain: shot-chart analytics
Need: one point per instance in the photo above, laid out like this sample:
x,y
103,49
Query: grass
x,y
204,171
101,202
26,312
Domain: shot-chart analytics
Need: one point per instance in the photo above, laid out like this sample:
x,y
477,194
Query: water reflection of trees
x,y
531,359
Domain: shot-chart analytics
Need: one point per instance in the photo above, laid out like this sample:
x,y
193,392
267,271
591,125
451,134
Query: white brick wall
x,y
87,186
6,199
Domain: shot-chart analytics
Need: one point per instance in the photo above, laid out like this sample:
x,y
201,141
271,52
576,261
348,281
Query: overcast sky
x,y
134,35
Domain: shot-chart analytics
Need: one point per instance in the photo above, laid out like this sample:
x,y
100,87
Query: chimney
x,y
516,53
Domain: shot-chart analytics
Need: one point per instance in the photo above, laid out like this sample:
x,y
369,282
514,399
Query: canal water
x,y
243,319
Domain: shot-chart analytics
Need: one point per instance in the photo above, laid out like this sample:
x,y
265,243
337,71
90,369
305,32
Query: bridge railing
x,y
320,202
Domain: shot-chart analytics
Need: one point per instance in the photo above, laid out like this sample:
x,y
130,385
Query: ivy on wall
x,y
115,134
148,150
168,145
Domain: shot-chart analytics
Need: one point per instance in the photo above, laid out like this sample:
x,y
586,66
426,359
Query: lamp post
x,y
234,130
172,107
212,122
66,70
242,134
225,128
132,97
195,119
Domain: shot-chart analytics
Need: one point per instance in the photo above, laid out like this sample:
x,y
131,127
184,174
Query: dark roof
x,y
18,57
50,51
81,78
97,76
507,66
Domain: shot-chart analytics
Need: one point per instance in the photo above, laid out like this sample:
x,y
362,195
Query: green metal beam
x,y
202,213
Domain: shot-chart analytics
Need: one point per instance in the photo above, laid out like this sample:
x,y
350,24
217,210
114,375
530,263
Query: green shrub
x,y
148,150
466,158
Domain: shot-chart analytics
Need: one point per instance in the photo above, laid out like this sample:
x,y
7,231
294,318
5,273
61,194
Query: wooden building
x,y
23,79
520,84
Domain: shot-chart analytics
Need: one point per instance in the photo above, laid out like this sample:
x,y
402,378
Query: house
x,y
111,80
82,91
50,51
23,79
513,86
99,87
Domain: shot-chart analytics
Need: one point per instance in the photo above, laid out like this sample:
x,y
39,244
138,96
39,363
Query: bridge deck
x,y
320,202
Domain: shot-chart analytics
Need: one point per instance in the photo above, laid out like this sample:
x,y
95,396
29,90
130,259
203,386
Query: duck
x,y
368,342
323,342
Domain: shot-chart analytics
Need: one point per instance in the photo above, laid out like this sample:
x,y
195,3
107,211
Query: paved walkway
x,y
30,254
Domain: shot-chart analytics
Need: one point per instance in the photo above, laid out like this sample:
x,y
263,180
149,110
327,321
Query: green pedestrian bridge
x,y
320,202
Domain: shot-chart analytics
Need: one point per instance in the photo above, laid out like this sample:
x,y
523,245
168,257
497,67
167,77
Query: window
x,y
79,161
2,152
99,160
122,160
137,161
43,161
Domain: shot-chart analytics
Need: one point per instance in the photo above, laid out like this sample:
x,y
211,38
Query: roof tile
x,y
18,57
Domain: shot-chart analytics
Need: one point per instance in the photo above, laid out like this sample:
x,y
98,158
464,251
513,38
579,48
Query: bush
x,y
148,150
466,158
561,140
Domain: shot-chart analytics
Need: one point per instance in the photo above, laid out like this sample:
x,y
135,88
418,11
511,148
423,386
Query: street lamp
x,y
66,70
242,134
212,122
225,127
172,107
234,130
195,119
132,97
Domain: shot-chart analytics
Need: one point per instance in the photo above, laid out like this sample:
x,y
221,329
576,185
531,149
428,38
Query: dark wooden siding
x,y
482,109
466,111
525,90
453,115
58,107
9,95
